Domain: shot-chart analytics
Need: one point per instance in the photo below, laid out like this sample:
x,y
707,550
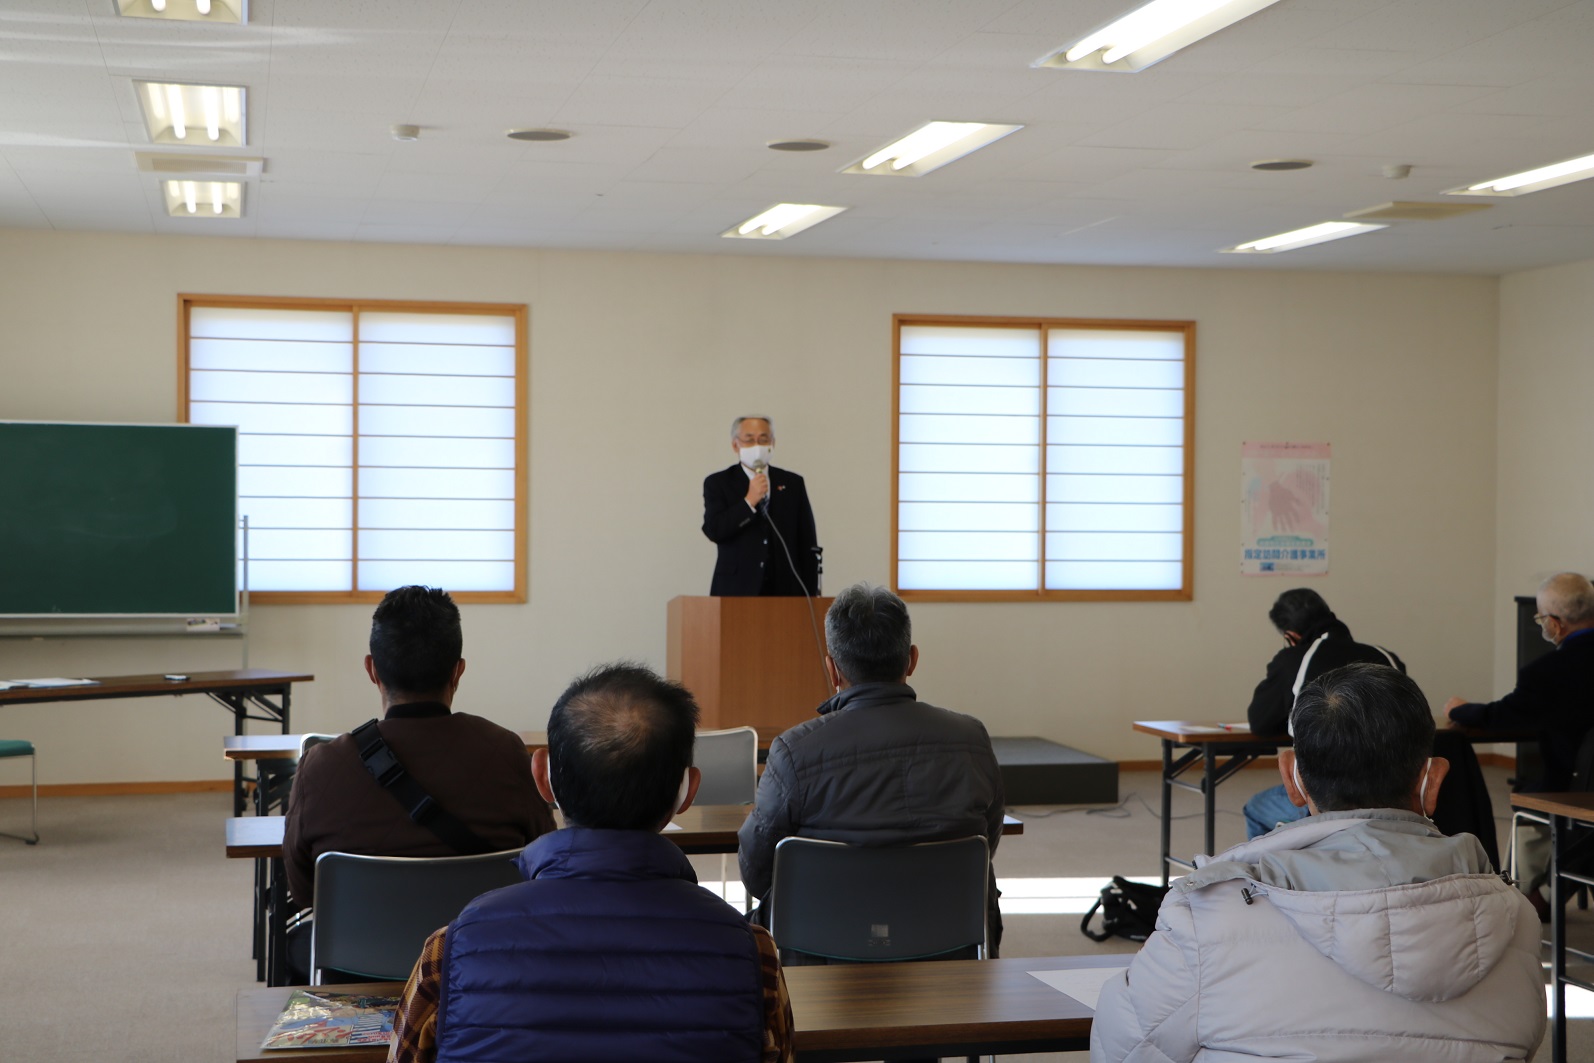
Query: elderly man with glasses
x,y
1554,696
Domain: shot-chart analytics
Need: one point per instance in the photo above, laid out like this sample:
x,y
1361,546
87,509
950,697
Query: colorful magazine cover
x,y
326,1019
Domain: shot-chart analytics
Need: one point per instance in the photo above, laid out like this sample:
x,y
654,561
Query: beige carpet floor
x,y
124,935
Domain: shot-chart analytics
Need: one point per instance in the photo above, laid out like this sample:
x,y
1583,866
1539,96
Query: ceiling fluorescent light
x,y
1520,184
235,11
782,220
204,199
1149,34
1312,234
198,116
930,147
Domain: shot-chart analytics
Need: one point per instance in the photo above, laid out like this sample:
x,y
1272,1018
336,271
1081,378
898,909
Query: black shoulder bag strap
x,y
392,777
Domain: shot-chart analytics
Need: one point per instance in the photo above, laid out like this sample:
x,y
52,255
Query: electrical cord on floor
x,y
1118,811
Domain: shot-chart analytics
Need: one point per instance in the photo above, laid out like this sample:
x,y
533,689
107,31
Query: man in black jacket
x,y
1316,641
1554,696
876,766
760,519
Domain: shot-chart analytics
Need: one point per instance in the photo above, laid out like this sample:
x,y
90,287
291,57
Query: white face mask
x,y
751,456
1295,770
680,795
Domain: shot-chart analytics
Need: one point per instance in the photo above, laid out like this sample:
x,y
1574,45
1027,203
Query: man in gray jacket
x,y
1359,933
876,766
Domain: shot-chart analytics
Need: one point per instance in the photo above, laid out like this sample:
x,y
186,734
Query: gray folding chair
x,y
373,913
863,904
18,747
728,761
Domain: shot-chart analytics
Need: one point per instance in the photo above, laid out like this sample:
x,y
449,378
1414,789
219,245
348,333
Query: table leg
x,y
261,906
277,926
238,702
1560,827
1209,794
237,765
1167,806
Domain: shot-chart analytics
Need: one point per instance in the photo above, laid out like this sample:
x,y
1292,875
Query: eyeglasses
x,y
1539,618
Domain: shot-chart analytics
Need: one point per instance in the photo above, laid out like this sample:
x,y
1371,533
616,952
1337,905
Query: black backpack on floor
x,y
1128,910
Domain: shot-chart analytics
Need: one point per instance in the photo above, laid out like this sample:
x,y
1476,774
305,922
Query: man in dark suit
x,y
760,519
1555,697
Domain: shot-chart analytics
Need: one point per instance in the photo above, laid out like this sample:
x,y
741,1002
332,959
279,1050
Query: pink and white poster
x,y
1284,509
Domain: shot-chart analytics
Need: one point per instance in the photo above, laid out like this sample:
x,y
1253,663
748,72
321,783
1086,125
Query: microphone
x,y
761,468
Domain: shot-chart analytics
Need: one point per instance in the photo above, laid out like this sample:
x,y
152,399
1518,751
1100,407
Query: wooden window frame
x,y
1185,592
186,302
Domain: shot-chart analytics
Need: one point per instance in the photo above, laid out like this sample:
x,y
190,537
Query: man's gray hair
x,y
736,425
868,634
1569,596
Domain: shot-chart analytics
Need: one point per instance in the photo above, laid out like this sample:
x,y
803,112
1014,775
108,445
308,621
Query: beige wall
x,y
1546,496
638,361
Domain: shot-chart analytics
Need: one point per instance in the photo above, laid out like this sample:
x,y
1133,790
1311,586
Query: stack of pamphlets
x,y
317,1019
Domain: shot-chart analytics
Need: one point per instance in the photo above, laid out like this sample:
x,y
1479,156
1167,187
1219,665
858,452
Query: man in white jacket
x,y
1357,934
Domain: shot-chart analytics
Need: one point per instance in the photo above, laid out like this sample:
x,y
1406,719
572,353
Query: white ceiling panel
x,y
672,101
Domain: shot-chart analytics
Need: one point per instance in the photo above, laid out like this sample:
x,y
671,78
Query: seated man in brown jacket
x,y
477,772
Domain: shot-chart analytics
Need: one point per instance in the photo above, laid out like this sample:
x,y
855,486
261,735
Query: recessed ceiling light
x,y
1312,234
406,133
1520,184
930,147
1277,165
204,199
782,220
797,145
539,134
1149,34
236,11
199,116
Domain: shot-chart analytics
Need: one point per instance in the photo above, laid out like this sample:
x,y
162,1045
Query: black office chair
x,y
374,913
834,902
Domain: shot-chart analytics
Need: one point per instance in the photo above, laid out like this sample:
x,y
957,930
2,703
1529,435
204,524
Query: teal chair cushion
x,y
15,747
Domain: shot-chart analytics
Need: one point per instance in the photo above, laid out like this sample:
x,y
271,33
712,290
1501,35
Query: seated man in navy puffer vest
x,y
610,950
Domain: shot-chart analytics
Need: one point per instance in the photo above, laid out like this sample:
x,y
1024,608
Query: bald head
x,y
619,740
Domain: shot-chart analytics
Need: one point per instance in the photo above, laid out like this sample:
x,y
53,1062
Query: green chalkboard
x,y
117,519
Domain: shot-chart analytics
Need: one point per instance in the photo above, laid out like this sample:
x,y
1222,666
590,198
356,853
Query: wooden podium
x,y
749,661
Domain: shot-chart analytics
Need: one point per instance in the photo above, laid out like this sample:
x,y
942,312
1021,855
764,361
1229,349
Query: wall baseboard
x,y
119,789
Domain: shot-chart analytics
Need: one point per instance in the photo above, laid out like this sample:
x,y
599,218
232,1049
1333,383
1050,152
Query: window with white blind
x,y
1042,459
379,443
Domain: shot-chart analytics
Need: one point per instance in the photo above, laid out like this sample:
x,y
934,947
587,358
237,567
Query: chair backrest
x,y
312,739
373,913
871,903
1583,764
728,760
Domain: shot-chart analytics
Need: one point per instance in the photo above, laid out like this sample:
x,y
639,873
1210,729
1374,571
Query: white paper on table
x,y
1082,983
7,684
672,825
55,682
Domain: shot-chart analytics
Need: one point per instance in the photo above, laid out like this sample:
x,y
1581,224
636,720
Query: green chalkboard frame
x,y
137,520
